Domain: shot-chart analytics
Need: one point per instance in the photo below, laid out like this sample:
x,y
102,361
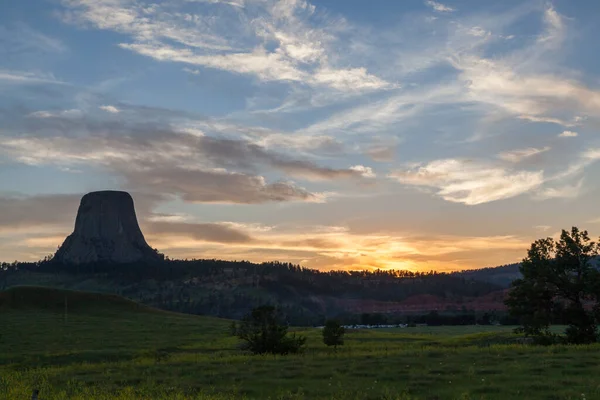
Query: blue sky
x,y
411,134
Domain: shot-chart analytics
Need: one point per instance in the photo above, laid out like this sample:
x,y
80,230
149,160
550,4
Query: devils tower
x,y
106,230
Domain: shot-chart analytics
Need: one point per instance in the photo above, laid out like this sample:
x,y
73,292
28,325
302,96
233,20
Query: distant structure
x,y
106,230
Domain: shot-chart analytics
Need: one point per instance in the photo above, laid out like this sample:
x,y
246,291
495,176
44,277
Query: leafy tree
x,y
333,333
559,277
262,333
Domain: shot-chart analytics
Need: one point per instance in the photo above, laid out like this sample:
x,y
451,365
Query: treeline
x,y
230,289
285,280
502,275
432,318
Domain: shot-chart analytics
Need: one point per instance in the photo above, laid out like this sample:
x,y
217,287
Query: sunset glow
x,y
414,135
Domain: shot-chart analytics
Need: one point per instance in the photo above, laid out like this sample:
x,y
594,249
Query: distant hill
x,y
230,289
501,276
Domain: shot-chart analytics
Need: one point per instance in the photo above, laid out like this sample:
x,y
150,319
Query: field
x,y
105,347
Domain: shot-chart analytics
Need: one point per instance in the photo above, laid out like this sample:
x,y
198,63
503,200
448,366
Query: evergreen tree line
x,y
230,289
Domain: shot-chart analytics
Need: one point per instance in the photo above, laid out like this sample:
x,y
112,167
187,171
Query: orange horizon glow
x,y
336,249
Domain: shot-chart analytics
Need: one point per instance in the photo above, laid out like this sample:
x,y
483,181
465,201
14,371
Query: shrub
x,y
333,333
261,332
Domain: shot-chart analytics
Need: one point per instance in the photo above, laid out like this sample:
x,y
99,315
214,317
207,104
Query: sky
x,y
412,134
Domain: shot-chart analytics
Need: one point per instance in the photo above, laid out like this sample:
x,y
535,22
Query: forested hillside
x,y
231,288
502,275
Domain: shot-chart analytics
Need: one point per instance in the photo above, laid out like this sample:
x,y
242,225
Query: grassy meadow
x,y
95,346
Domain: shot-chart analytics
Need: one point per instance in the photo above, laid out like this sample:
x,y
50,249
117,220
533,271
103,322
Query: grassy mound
x,y
42,326
50,299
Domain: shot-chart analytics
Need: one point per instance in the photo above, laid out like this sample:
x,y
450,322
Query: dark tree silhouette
x,y
333,333
231,289
559,277
262,333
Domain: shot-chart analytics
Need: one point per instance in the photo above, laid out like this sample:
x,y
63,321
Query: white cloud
x,y
238,41
478,31
169,218
555,28
568,134
266,66
591,154
550,120
349,79
71,113
561,192
470,182
299,43
528,96
248,227
520,83
439,7
516,156
366,172
147,23
233,3
110,109
17,77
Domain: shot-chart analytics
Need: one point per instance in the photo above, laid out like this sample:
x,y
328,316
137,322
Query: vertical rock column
x,y
106,230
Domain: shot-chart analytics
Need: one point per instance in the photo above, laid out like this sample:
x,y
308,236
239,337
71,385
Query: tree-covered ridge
x,y
502,275
232,288
384,285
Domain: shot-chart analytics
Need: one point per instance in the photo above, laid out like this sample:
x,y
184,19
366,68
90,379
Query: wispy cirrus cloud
x,y
518,155
265,66
301,53
378,116
518,84
567,191
439,7
555,27
146,22
71,113
526,96
470,182
22,77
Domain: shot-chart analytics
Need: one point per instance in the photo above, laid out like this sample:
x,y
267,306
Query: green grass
x,y
106,347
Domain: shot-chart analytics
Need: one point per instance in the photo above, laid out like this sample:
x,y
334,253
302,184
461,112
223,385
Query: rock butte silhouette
x,y
106,230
